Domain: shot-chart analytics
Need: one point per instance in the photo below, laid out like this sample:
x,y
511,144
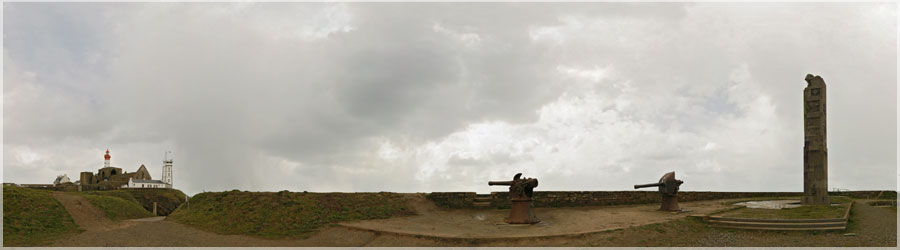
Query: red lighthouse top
x,y
107,155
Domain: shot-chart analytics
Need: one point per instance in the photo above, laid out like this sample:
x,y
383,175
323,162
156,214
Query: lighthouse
x,y
106,159
167,169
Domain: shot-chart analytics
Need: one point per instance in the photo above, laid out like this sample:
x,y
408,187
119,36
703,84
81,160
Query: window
x,y
814,92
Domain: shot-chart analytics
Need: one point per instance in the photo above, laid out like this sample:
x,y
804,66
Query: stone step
x,y
780,228
482,198
719,218
481,204
778,225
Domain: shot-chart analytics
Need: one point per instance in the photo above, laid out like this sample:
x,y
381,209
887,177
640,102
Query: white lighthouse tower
x,y
167,169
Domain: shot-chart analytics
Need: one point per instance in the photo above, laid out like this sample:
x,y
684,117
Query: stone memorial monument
x,y
815,149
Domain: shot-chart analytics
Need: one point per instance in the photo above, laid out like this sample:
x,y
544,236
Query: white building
x,y
132,183
166,181
61,179
167,170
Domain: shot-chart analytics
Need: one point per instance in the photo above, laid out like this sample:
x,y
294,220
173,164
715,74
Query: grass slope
x,y
33,217
284,214
117,208
123,194
167,199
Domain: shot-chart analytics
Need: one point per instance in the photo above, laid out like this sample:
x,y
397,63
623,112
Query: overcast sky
x,y
421,97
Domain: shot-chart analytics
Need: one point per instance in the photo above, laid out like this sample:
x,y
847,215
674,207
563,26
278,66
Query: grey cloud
x,y
272,96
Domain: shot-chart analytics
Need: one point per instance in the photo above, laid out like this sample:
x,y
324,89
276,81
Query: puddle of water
x,y
772,204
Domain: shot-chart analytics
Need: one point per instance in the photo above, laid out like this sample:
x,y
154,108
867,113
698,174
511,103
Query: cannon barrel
x,y
649,185
500,183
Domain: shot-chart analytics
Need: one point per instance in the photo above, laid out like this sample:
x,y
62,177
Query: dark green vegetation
x,y
284,214
883,203
117,208
889,195
125,195
167,200
33,217
803,212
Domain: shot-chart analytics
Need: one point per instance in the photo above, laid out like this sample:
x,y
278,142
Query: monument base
x,y
669,203
816,200
521,212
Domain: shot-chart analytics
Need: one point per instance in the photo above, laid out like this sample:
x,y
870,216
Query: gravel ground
x,y
873,226
485,224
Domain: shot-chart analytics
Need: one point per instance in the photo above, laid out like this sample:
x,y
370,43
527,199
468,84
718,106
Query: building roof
x,y
59,179
147,181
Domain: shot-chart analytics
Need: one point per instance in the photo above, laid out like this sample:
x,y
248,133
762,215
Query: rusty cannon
x,y
520,194
668,188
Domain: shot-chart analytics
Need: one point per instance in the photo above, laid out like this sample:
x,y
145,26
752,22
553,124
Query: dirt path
x,y
871,223
422,205
488,224
87,216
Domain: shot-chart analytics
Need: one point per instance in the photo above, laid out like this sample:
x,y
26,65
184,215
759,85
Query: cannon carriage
x,y
521,193
668,188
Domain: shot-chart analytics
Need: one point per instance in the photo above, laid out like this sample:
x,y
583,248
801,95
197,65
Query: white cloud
x,y
467,38
442,97
584,139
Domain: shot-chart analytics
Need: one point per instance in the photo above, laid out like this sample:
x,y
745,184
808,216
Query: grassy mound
x,y
123,194
117,208
167,200
33,217
284,214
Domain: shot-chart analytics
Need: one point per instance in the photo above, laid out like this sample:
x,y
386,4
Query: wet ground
x,y
771,204
488,224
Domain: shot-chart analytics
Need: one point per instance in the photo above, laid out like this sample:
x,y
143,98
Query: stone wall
x,y
580,198
610,198
861,194
453,199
